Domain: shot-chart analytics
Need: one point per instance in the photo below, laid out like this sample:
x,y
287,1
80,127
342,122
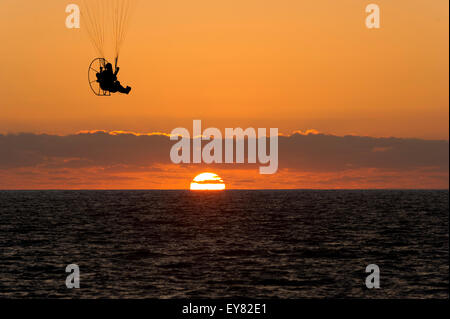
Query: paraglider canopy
x,y
107,20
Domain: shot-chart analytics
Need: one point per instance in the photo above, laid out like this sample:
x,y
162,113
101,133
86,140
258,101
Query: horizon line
x,y
228,189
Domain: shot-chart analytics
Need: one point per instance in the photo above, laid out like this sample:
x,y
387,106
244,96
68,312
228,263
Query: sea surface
x,y
256,244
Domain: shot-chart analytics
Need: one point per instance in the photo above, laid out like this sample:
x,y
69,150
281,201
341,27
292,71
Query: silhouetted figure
x,y
108,80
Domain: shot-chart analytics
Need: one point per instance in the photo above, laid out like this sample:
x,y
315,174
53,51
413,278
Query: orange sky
x,y
288,64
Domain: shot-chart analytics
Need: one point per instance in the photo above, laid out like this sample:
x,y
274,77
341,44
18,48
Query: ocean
x,y
226,244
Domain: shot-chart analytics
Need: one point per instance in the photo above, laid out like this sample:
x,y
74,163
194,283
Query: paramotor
x,y
104,20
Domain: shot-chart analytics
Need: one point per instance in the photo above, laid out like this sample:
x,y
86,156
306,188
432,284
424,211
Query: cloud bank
x,y
128,160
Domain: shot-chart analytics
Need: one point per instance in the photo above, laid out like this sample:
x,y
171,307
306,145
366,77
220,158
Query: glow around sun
x,y
207,181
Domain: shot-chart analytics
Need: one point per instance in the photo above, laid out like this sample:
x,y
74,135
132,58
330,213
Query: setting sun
x,y
207,181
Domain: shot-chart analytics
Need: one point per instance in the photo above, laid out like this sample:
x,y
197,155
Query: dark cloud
x,y
313,152
82,150
332,153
